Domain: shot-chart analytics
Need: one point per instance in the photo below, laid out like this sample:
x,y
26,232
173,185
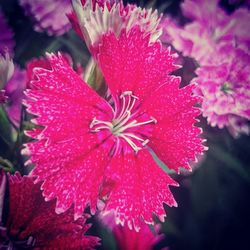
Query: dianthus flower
x,y
89,142
48,16
127,239
211,28
225,87
6,38
12,85
32,223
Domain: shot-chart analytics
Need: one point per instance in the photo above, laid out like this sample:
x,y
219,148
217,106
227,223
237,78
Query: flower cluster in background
x,y
220,45
48,16
101,123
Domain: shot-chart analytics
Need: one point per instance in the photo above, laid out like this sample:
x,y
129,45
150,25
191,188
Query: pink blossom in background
x,y
220,43
211,28
225,87
6,36
127,239
32,222
48,16
89,142
12,83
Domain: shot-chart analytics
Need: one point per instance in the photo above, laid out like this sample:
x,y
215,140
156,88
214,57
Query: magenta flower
x,y
225,86
6,38
48,16
91,147
32,223
12,83
128,239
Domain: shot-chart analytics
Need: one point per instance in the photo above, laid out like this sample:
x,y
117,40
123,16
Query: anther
x,y
128,93
92,124
145,142
125,93
153,119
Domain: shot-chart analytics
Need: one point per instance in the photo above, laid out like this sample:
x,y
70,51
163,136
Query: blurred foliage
x,y
213,211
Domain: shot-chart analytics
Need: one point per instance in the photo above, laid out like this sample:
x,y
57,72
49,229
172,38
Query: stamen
x,y
134,136
125,93
132,105
121,129
130,142
145,142
98,129
135,124
117,128
122,120
95,122
143,123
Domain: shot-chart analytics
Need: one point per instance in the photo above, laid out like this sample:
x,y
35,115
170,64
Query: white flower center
x,y
124,125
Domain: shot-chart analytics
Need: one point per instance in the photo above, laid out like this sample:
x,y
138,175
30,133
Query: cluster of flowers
x,y
93,149
219,42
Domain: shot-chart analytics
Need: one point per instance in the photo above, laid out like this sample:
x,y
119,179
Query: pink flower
x,y
220,44
128,239
32,223
6,38
49,16
225,86
211,28
88,141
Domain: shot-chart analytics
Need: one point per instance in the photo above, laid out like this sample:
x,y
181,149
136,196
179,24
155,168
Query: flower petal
x,y
140,190
64,104
130,63
77,181
174,137
65,151
92,19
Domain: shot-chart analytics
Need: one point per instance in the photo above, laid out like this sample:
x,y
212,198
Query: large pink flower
x,y
89,143
32,223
